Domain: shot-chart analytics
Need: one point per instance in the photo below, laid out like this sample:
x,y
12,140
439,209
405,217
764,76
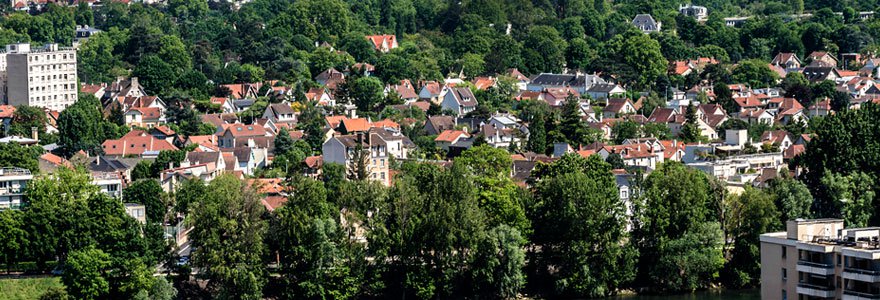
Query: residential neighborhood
x,y
499,149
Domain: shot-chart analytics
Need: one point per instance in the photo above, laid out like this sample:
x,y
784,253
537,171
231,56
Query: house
x,y
735,21
822,59
787,60
383,43
780,138
605,91
501,137
280,113
234,134
449,137
790,110
460,101
144,117
352,126
225,104
404,90
578,82
646,23
364,69
522,81
202,165
638,155
484,83
437,124
818,74
555,97
98,90
680,68
618,107
321,96
163,133
242,90
697,12
343,149
756,116
432,91
330,75
123,87
7,112
136,143
313,166
820,108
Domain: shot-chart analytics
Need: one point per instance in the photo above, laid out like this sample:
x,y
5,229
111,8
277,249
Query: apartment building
x,y
819,259
341,149
43,77
13,182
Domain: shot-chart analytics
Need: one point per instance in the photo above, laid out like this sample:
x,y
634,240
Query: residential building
x,y
136,143
646,23
735,21
787,60
383,43
237,135
280,113
460,101
43,77
342,149
110,183
605,91
432,91
13,182
137,211
822,59
579,82
697,12
820,259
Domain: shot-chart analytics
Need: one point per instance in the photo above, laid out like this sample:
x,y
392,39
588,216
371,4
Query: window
x,y
784,295
783,251
784,274
839,260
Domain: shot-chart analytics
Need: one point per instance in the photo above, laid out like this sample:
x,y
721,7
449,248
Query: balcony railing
x,y
861,271
815,264
862,295
816,286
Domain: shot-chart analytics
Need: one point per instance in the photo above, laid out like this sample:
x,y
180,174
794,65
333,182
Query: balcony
x,y
853,295
815,267
821,291
863,275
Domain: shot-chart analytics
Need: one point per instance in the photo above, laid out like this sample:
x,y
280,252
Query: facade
x,y
342,150
43,77
13,182
697,12
646,23
819,259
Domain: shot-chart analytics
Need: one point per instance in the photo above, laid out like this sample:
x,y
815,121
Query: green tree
x,y
16,155
793,199
544,50
85,274
367,93
751,214
624,130
26,118
853,194
499,262
149,193
155,74
755,73
227,235
635,57
580,224
691,131
14,237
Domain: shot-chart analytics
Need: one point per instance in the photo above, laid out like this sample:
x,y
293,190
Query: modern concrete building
x,y
819,259
13,182
43,77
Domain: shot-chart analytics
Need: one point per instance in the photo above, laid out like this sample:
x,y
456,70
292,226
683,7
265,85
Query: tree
x,y
678,244
367,93
724,97
155,74
853,195
537,133
544,50
82,126
635,57
142,170
14,237
691,131
149,193
793,199
624,130
227,235
16,155
751,214
615,161
755,73
499,262
85,274
27,118
580,224
283,142
571,125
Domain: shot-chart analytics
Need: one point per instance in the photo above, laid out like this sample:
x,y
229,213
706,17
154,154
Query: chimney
x,y
134,81
34,134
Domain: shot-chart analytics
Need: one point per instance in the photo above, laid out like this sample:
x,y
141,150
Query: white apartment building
x,y
819,259
13,182
43,77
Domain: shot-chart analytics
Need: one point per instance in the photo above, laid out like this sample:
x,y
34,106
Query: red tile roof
x,y
7,111
359,124
450,136
135,145
241,130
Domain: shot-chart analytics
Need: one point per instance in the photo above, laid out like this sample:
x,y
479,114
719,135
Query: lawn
x,y
27,288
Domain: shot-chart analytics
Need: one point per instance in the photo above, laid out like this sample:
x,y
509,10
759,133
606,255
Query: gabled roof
x,y
405,90
662,115
432,87
135,145
775,136
783,57
450,136
242,130
7,111
441,122
464,97
355,125
378,40
516,74
483,83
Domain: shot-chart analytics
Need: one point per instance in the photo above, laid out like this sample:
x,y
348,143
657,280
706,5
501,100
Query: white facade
x,y
13,182
43,77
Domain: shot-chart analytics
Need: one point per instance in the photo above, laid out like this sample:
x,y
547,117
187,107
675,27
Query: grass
x,y
27,288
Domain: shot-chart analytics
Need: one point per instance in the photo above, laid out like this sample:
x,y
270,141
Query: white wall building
x,y
43,77
13,182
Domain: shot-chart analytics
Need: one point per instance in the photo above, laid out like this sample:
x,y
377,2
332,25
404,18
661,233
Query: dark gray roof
x,y
243,102
558,79
644,20
197,158
464,96
243,154
602,88
817,73
106,164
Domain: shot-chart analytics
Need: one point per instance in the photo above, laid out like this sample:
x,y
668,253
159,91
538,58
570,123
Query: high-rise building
x,y
42,77
819,259
13,182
